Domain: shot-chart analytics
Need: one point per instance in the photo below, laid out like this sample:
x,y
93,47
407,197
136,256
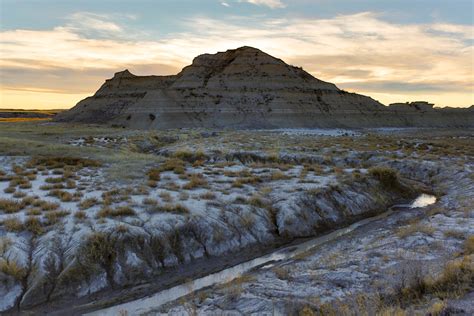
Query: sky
x,y
55,53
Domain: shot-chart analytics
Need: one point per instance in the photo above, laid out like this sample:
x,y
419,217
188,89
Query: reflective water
x,y
423,201
156,300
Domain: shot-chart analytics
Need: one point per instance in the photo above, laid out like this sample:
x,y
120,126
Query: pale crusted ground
x,y
138,203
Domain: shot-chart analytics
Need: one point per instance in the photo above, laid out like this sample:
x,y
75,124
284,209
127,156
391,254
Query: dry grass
x,y
88,203
11,206
174,208
412,229
33,225
13,224
153,174
469,245
117,212
13,269
196,181
63,196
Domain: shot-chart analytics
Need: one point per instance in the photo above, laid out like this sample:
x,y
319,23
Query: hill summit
x,y
245,88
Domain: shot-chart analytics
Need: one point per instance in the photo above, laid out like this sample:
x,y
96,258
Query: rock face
x,y
246,88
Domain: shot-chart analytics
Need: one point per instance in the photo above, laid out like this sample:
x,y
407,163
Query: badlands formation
x,y
247,88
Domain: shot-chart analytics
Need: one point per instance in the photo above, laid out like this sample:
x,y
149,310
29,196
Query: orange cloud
x,y
359,52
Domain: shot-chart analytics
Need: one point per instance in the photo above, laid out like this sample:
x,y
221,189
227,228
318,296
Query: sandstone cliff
x,y
246,88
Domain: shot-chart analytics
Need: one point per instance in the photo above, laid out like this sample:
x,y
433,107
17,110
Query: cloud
x,y
274,4
359,52
225,4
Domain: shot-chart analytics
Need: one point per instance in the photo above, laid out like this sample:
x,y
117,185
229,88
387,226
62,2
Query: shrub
x,y
54,180
11,206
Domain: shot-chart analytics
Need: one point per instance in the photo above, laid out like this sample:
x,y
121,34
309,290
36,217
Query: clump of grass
x,y
166,197
54,216
64,196
19,194
152,183
13,269
117,212
173,164
13,224
11,206
9,190
278,175
415,228
80,215
88,203
256,201
189,156
47,187
208,196
239,183
174,208
33,225
100,249
54,180
452,233
387,176
45,205
61,162
33,212
196,180
153,174
281,273
469,245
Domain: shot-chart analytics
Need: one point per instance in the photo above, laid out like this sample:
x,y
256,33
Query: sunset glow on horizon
x,y
65,51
